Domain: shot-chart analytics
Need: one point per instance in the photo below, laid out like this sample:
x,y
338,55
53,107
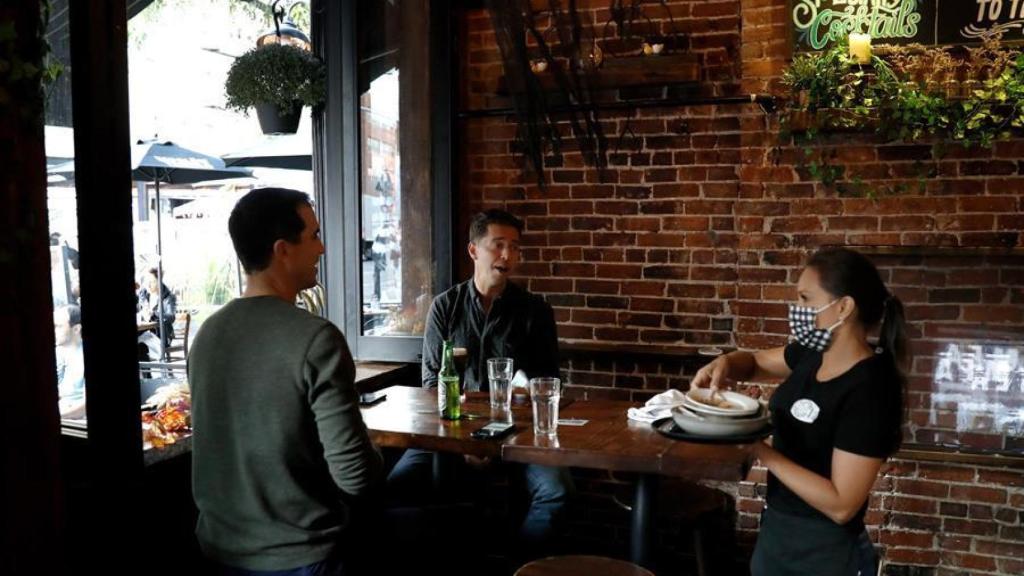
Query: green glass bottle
x,y
449,400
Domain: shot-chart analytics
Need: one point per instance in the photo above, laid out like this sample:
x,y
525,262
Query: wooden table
x,y
609,441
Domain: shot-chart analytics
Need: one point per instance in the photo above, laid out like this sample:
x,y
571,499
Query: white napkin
x,y
520,380
659,406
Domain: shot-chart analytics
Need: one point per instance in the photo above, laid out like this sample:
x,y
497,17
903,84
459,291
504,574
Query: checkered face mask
x,y
804,326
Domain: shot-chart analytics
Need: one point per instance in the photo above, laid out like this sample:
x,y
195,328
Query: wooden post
x,y
29,424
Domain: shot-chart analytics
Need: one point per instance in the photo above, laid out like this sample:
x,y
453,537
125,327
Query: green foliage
x,y
900,104
22,80
277,74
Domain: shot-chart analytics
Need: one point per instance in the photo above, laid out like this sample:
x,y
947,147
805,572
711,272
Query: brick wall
x,y
695,236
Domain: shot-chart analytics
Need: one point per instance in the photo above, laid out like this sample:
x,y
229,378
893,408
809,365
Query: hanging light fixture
x,y
285,31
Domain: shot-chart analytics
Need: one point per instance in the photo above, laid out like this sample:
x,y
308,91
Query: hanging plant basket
x,y
275,121
277,80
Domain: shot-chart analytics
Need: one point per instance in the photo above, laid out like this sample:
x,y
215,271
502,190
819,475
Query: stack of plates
x,y
729,414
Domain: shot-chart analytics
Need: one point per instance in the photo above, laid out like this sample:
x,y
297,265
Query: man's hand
x,y
477,462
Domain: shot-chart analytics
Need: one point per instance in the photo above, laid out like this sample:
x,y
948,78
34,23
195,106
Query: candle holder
x,y
860,47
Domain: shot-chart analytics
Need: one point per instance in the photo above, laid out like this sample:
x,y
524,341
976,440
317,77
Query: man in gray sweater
x,y
279,449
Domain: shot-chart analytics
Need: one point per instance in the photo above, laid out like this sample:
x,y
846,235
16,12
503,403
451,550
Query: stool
x,y
581,566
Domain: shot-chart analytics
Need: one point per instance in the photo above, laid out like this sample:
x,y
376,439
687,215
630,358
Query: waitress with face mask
x,y
837,414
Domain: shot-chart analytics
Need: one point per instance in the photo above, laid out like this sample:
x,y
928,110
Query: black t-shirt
x,y
857,411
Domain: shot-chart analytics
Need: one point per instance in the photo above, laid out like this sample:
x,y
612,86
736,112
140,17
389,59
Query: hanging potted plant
x,y
277,80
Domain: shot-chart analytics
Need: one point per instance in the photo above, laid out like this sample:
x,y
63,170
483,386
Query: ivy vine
x,y
915,95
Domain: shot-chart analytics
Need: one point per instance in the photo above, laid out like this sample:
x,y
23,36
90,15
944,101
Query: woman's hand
x,y
713,374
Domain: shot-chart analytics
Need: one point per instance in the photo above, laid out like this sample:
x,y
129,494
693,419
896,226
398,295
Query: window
x,y
61,200
398,237
184,262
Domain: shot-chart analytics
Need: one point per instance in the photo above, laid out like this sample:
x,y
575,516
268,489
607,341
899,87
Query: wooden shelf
x,y
828,120
651,351
660,70
939,251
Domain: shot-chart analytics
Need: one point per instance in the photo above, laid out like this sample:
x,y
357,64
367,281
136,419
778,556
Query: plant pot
x,y
273,121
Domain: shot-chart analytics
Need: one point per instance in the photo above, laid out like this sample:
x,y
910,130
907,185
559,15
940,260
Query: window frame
x,y
342,186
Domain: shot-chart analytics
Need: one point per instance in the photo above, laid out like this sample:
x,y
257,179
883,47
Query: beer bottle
x,y
449,401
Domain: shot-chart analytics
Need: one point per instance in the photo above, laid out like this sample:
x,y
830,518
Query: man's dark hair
x,y
74,315
261,218
478,227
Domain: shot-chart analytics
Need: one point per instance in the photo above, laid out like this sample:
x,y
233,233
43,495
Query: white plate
x,y
744,405
716,427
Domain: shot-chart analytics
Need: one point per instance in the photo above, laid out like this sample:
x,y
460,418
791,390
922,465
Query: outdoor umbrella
x,y
167,163
289,151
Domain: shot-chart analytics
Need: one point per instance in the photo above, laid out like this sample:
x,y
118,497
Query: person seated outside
x,y
150,301
67,332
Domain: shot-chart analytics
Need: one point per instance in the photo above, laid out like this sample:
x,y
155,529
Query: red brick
x,y
947,542
816,207
691,290
596,287
1010,565
585,316
617,334
912,556
943,472
906,539
915,505
762,208
642,320
913,205
971,561
569,207
571,332
902,223
978,494
1001,477
803,224
550,285
619,271
922,488
639,224
975,527
988,204
570,269
685,223
721,274
852,223
643,289
615,207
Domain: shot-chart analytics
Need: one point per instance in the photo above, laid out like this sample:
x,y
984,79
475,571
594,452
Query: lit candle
x,y
860,47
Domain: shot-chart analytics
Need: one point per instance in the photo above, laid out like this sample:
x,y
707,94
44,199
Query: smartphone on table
x,y
494,430
367,398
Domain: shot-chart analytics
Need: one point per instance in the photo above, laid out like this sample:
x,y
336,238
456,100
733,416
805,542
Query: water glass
x,y
499,374
545,394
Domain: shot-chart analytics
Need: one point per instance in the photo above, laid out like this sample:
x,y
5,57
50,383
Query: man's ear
x,y
77,329
280,248
471,248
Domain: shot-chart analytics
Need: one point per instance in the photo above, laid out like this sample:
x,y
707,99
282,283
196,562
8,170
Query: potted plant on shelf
x,y
277,80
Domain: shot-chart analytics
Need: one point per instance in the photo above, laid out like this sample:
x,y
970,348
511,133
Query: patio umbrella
x,y
167,163
289,151
60,144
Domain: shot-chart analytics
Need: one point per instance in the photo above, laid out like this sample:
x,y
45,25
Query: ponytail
x,y
893,334
892,338
845,272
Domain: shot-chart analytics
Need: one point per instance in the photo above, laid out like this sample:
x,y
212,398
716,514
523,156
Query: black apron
x,y
790,545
